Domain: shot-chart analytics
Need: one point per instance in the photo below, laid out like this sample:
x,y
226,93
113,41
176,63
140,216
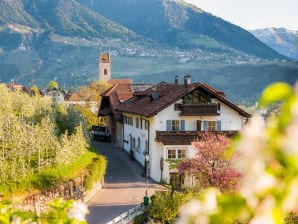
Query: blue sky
x,y
253,14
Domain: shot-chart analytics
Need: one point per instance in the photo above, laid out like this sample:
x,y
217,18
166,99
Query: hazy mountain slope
x,y
12,11
280,39
180,24
64,17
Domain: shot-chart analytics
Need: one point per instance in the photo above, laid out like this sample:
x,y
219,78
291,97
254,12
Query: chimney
x,y
176,79
186,80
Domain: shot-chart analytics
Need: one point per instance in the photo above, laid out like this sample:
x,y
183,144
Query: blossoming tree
x,y
210,166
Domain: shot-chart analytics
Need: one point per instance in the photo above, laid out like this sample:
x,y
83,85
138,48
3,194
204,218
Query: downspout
x,y
148,140
122,144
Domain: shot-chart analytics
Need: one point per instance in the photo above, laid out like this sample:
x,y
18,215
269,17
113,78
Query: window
x,y
175,125
105,72
137,122
127,120
181,154
176,153
171,154
177,180
146,125
211,125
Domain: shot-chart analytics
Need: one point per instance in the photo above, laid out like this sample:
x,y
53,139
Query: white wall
x,y
230,120
136,133
119,134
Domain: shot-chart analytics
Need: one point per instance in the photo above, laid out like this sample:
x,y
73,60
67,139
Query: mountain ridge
x,y
42,40
159,21
280,39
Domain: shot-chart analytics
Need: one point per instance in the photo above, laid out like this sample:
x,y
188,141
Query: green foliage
x,y
165,206
40,144
35,90
141,219
10,215
60,212
53,85
96,171
91,118
268,158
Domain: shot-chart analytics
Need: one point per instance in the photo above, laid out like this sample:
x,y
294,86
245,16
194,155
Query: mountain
x,y
280,39
181,25
63,17
149,40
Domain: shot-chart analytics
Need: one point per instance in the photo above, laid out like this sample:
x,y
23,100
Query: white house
x,y
55,94
164,121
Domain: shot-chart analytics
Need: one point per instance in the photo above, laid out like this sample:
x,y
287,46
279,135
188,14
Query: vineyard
x,y
38,138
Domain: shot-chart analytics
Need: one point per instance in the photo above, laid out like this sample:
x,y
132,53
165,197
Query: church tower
x,y
104,67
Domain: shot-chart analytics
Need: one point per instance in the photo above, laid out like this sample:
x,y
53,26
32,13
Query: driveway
x,y
124,186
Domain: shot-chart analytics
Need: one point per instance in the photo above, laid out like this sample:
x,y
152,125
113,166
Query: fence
x,y
126,217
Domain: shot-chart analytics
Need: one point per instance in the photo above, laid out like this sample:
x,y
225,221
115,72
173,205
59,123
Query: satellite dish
x,y
155,95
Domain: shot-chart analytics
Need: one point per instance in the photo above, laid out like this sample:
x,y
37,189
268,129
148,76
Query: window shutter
x,y
205,125
182,125
218,125
199,125
169,125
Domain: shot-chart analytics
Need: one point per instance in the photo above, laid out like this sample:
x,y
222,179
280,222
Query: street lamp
x,y
147,162
146,198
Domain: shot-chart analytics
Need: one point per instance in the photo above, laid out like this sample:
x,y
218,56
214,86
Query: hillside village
x,y
160,120
155,124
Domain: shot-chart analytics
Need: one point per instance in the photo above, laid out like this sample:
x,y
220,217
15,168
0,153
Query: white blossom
x,y
78,211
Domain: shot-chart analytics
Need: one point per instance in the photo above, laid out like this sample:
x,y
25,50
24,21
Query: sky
x,y
253,14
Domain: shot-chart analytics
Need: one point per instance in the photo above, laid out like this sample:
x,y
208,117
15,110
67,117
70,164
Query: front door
x,y
177,180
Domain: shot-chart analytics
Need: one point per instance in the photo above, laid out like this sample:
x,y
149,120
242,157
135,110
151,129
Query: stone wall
x,y
72,189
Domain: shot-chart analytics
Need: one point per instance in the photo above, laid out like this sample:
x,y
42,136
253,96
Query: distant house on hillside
x,y
73,98
55,94
19,87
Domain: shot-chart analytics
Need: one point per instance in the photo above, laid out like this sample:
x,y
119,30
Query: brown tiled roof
x,y
149,103
119,92
73,97
123,96
120,81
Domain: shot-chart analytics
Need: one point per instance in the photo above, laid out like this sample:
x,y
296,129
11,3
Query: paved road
x,y
124,188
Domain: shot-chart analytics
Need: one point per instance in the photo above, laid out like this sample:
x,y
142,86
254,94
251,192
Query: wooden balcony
x,y
199,109
185,137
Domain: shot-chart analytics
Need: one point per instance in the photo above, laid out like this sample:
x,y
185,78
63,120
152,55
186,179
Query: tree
x,y
210,166
53,84
35,90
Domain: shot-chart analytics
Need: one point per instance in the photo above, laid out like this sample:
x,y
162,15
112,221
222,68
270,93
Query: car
x,y
100,133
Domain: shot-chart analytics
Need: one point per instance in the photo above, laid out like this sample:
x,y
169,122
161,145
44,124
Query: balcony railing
x,y
185,137
199,109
